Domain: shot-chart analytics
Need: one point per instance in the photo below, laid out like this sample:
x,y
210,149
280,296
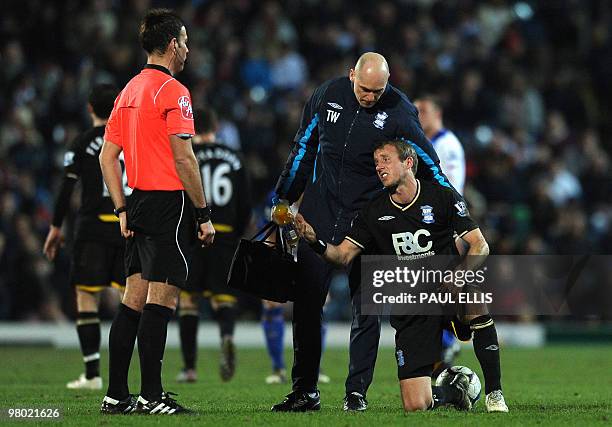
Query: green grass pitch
x,y
554,385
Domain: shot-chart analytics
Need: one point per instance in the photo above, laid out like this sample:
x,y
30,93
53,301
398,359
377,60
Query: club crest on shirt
x,y
428,215
186,111
379,121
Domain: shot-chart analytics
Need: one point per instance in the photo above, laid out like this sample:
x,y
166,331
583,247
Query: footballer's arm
x,y
478,250
475,257
340,255
111,171
343,254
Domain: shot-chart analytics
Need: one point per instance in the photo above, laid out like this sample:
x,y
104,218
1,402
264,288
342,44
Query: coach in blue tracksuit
x,y
331,163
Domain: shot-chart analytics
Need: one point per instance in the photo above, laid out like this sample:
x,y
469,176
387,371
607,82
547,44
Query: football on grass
x,y
448,375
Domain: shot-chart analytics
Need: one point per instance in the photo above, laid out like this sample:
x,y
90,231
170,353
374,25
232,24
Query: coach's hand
x,y
305,230
206,233
54,240
123,224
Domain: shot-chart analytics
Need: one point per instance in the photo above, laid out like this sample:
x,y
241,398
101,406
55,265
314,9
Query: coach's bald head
x,y
370,77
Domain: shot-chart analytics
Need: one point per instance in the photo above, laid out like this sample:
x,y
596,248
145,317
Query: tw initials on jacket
x,y
332,116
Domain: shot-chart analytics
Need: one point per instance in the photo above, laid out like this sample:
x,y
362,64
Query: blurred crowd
x,y
525,85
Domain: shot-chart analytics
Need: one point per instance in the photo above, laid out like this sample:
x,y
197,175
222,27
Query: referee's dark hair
x,y
157,28
205,120
404,150
102,99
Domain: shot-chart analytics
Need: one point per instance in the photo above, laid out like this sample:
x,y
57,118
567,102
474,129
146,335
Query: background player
x,y
97,256
452,161
226,184
418,338
445,142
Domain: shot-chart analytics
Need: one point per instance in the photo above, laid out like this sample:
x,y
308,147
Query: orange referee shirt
x,y
152,106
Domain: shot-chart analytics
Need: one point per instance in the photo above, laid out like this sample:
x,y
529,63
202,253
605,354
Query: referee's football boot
x,y
299,401
495,402
355,402
166,405
112,406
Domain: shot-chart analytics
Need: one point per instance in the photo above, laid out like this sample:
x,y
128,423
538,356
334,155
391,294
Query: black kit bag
x,y
262,268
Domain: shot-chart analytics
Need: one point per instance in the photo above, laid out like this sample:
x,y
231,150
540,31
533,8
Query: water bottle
x,y
291,238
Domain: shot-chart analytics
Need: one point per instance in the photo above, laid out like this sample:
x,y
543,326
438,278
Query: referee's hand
x,y
206,233
123,224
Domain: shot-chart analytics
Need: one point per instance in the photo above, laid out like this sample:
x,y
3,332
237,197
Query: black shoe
x,y
166,405
112,406
227,368
462,383
355,402
299,401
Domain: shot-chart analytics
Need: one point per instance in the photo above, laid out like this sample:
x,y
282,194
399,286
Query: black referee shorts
x,y
418,344
164,229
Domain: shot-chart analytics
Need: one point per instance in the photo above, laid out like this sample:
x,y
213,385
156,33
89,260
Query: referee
x,y
152,124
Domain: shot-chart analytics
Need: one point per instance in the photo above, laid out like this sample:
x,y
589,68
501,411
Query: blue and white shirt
x,y
452,157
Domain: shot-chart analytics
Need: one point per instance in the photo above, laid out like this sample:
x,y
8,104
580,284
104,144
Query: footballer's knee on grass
x,y
135,294
163,294
87,301
416,393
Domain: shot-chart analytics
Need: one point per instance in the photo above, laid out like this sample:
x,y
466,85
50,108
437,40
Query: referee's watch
x,y
203,214
119,210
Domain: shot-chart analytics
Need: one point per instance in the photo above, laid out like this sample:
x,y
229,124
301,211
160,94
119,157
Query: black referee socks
x,y
88,329
151,345
120,347
486,348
